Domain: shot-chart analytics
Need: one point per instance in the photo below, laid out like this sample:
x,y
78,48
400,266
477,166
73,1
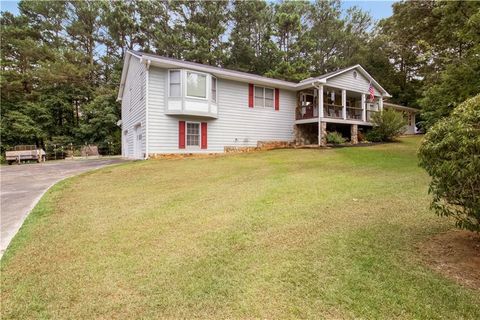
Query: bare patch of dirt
x,y
455,254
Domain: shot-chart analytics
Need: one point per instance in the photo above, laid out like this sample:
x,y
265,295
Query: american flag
x,y
372,92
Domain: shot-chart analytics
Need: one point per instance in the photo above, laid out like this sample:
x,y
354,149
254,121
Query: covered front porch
x,y
336,104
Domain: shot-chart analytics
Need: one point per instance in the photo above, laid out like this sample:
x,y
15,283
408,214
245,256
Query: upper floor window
x,y
175,83
264,97
214,89
196,85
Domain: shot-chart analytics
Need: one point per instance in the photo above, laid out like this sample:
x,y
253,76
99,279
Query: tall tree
x,y
251,46
203,25
290,31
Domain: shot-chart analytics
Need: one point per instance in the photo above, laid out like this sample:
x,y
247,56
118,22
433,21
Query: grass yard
x,y
278,234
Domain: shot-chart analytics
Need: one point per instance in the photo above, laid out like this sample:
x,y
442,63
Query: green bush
x,y
335,138
373,136
387,125
450,153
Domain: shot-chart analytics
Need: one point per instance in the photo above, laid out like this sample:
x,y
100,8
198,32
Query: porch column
x,y
320,115
380,103
320,102
344,104
364,108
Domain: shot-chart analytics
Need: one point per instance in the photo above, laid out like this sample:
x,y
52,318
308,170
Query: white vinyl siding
x,y
237,125
133,107
349,82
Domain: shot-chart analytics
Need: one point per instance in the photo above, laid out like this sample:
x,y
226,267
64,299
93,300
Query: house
x,y
174,106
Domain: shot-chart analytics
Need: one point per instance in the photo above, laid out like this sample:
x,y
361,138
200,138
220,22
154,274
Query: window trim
x,y
206,85
254,97
169,82
199,146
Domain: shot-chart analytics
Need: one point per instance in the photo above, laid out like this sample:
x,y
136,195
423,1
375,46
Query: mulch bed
x,y
343,145
455,254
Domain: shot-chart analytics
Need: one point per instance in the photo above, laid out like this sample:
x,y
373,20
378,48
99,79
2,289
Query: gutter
x,y
316,84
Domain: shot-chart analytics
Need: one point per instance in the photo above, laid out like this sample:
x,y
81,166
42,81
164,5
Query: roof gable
x,y
344,78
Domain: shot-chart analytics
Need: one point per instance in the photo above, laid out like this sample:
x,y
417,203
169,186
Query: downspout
x,y
146,108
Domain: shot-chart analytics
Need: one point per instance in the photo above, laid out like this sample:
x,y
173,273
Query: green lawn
x,y
277,234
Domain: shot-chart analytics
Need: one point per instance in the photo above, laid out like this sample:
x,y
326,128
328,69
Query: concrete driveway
x,y
23,185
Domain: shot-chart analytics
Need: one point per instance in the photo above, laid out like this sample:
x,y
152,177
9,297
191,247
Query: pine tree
x,y
251,46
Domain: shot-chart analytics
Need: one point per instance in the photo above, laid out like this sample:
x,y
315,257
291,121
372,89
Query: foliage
x,y
60,58
458,82
435,46
387,125
373,136
335,138
450,153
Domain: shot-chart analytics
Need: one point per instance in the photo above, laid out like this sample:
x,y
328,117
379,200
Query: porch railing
x,y
307,112
354,113
332,111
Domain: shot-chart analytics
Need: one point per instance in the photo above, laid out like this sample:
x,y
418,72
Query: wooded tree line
x,y
61,60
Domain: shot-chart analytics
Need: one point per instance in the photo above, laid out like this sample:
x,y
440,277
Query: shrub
x,y
360,136
387,125
373,136
335,138
450,153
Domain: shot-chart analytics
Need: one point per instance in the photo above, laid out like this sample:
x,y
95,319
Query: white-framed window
x,y
196,85
192,136
175,83
264,97
214,89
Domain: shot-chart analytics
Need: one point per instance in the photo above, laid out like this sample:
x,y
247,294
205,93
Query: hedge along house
x,y
174,106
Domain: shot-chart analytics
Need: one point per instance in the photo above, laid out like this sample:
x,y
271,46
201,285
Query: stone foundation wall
x,y
261,145
232,149
354,134
305,134
181,155
266,145
323,133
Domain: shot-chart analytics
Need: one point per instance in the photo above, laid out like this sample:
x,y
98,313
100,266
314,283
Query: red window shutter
x,y
277,99
250,95
204,135
181,134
